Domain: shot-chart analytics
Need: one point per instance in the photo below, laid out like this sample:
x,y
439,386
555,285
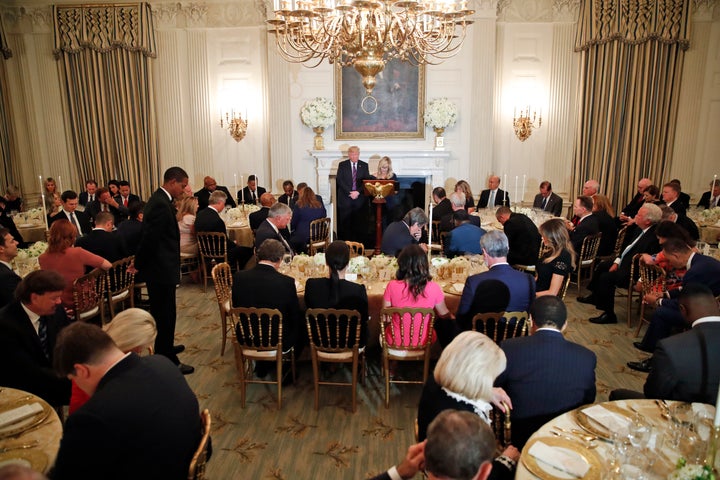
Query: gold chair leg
x,y
316,377
386,367
223,321
278,365
354,383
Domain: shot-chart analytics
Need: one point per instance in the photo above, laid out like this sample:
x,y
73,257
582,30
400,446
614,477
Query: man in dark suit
x,y
608,275
81,220
131,230
637,201
125,198
685,222
279,216
686,367
548,200
711,198
29,327
289,196
9,280
671,197
521,285
264,287
103,241
493,196
251,193
523,237
682,196
352,204
89,194
208,220
267,200
442,204
128,394
158,260
209,186
457,202
587,223
402,233
106,203
667,316
543,364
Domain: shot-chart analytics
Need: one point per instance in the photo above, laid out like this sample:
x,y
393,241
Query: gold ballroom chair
x,y
223,281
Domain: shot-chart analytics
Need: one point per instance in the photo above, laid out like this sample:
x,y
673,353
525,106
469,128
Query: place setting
x,y
17,418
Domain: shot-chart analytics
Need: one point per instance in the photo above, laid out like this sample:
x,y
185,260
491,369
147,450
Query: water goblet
x,y
638,431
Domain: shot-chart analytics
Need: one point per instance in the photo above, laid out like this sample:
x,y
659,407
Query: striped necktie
x,y
43,335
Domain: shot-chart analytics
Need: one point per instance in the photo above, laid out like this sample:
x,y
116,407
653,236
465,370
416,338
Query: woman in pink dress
x,y
68,260
413,288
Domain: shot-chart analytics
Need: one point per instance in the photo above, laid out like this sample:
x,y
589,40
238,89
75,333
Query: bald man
x,y
493,196
209,186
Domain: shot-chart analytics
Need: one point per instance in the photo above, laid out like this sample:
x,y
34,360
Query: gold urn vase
x,y
318,141
439,139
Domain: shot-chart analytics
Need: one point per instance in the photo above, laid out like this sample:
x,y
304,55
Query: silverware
x,y
587,444
19,446
581,435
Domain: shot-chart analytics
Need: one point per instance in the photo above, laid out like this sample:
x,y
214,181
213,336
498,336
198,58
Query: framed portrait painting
x,y
396,111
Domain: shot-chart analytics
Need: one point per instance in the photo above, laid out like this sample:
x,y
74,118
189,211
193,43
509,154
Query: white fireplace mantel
x,y
406,163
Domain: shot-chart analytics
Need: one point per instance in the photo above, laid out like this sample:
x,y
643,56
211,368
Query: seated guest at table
x,y
494,296
671,198
522,234
56,207
587,223
28,328
682,196
7,222
463,380
711,198
637,201
413,288
464,187
546,374
279,216
13,201
102,241
208,220
125,198
209,186
9,280
464,239
49,188
603,211
264,287
306,209
442,204
686,367
493,196
186,211
547,200
652,195
68,260
132,330
404,232
131,230
459,446
107,203
457,202
251,193
590,188
558,261
336,292
302,185
113,187
673,276
88,195
128,394
80,220
290,196
267,200
686,223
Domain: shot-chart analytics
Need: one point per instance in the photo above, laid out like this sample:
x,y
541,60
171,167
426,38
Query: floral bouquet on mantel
x,y
440,114
318,114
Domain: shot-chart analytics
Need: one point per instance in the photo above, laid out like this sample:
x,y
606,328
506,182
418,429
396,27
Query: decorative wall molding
x,y
27,19
539,11
243,13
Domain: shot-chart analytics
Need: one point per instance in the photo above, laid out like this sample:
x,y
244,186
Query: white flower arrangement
x,y
439,261
440,113
705,218
528,212
691,471
319,258
319,112
237,214
357,265
33,251
301,260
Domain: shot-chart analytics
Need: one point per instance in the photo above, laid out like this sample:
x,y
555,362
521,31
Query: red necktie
x,y
125,201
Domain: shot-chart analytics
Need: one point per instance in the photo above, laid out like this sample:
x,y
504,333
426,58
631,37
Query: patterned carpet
x,y
262,442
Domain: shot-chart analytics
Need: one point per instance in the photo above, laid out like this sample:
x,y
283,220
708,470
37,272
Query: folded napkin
x,y
20,413
459,287
572,464
612,421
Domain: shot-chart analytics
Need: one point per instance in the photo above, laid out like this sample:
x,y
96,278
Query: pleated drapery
x,y
8,175
632,55
104,53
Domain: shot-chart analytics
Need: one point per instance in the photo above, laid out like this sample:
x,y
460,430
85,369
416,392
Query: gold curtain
x,y
104,53
632,55
8,174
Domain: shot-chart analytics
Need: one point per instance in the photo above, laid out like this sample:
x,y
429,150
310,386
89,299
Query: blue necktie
x,y
43,335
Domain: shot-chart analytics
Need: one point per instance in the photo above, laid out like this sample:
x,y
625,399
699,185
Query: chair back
x,y
199,459
502,426
589,249
619,241
564,287
357,249
333,331
501,326
88,292
652,278
407,328
120,283
319,235
222,278
258,328
212,246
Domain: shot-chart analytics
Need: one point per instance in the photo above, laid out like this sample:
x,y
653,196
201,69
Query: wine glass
x,y
638,431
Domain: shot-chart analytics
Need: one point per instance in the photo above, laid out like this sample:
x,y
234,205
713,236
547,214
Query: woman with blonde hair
x,y
186,210
605,214
464,187
384,170
559,259
50,190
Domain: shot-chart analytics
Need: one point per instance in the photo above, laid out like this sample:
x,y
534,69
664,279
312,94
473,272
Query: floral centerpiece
x,y
33,251
440,114
691,471
705,218
239,214
358,265
318,114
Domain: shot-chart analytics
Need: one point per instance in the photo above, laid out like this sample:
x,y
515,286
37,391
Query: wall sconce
x,y
236,126
524,125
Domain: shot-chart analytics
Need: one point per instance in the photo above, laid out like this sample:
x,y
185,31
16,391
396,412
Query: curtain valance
x,y
104,28
633,22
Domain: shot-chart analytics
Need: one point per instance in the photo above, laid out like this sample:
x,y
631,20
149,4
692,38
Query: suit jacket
x,y
82,217
131,199
9,223
108,245
289,200
554,204
442,209
266,231
208,220
521,285
395,238
256,218
138,394
678,206
689,225
158,255
83,198
300,225
677,366
705,199
500,198
119,214
588,226
447,223
343,183
131,233
609,231
23,363
523,238
265,287
648,243
247,195
464,239
685,199
352,296
633,207
204,194
9,280
703,270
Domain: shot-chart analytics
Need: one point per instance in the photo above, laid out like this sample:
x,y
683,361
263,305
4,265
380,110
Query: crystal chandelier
x,y
365,34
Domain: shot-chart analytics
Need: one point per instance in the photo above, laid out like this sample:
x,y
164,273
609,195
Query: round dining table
x,y
33,441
